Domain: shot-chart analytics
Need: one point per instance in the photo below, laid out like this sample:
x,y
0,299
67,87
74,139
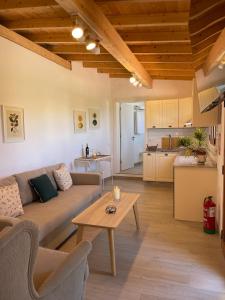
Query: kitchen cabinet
x,y
158,166
192,183
149,166
185,111
170,113
153,114
164,166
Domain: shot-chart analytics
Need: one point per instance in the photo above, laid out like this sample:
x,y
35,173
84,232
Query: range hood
x,y
210,98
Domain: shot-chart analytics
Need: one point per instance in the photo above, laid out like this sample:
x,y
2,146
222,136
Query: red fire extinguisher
x,y
209,215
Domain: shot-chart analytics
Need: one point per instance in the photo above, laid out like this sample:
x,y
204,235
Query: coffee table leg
x,y
136,215
112,250
80,233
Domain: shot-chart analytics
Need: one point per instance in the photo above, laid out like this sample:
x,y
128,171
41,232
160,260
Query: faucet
x,y
170,141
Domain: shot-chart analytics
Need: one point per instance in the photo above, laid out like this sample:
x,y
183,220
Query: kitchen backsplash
x,y
154,135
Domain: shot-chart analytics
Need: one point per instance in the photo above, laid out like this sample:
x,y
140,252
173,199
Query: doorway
x,y
132,137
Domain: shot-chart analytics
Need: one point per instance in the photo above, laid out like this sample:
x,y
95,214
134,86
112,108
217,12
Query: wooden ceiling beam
x,y
39,23
18,4
216,54
172,73
129,38
75,48
134,21
113,71
164,58
139,20
158,77
22,41
175,77
162,49
109,37
148,66
144,59
111,65
132,38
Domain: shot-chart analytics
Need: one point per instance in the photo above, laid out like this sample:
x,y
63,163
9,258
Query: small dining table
x,y
96,159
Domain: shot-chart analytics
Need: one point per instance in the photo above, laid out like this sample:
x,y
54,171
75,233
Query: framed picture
x,y
13,124
79,118
94,118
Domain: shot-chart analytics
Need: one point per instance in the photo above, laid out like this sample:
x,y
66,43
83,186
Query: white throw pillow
x,y
10,201
63,178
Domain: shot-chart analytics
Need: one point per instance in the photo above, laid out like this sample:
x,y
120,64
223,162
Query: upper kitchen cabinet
x,y
170,113
153,111
185,112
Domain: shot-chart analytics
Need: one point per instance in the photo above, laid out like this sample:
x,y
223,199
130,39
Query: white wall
x,y
122,90
49,94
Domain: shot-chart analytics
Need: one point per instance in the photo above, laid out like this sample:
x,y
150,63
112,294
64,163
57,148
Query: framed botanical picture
x,y
94,118
79,118
13,124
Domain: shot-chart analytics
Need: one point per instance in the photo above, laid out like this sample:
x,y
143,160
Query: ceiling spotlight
x,y
220,66
132,79
139,84
136,83
77,32
91,44
96,50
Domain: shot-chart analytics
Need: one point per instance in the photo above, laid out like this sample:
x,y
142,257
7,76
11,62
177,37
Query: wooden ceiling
x,y
170,39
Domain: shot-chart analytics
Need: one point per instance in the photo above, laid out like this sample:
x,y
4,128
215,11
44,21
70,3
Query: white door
x,y
127,136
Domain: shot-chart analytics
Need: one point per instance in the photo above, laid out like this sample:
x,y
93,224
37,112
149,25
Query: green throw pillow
x,y
43,187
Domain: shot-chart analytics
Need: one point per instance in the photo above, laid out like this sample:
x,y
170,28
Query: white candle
x,y
116,193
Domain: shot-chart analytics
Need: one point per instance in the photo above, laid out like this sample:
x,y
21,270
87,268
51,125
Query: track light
x,y
132,79
136,82
91,44
77,32
220,66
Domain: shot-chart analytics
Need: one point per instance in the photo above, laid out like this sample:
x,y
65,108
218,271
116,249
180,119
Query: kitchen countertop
x,y
163,150
190,161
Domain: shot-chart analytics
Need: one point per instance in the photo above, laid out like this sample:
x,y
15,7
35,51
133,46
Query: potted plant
x,y
199,145
195,145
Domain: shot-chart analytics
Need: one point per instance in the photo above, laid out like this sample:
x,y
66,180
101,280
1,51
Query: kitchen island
x,y
192,183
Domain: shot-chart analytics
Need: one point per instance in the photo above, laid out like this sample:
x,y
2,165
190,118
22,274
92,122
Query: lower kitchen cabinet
x,y
149,166
164,166
158,166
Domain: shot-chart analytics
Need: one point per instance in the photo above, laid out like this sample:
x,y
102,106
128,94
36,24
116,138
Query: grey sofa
x,y
53,218
29,272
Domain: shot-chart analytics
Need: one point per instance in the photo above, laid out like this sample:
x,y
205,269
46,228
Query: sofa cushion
x,y
10,202
63,178
7,181
43,187
27,194
50,170
52,214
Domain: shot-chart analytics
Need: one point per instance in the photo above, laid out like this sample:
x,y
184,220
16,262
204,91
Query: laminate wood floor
x,y
167,259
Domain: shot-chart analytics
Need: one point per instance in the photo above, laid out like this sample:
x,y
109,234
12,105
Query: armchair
x,y
29,272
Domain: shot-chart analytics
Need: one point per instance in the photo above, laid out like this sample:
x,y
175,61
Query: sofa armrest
x,y
73,269
86,178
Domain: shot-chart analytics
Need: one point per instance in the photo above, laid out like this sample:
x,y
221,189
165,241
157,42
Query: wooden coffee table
x,y
95,216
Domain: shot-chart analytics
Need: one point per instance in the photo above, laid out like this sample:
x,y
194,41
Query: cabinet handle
x,y
149,154
170,126
185,125
166,154
153,126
